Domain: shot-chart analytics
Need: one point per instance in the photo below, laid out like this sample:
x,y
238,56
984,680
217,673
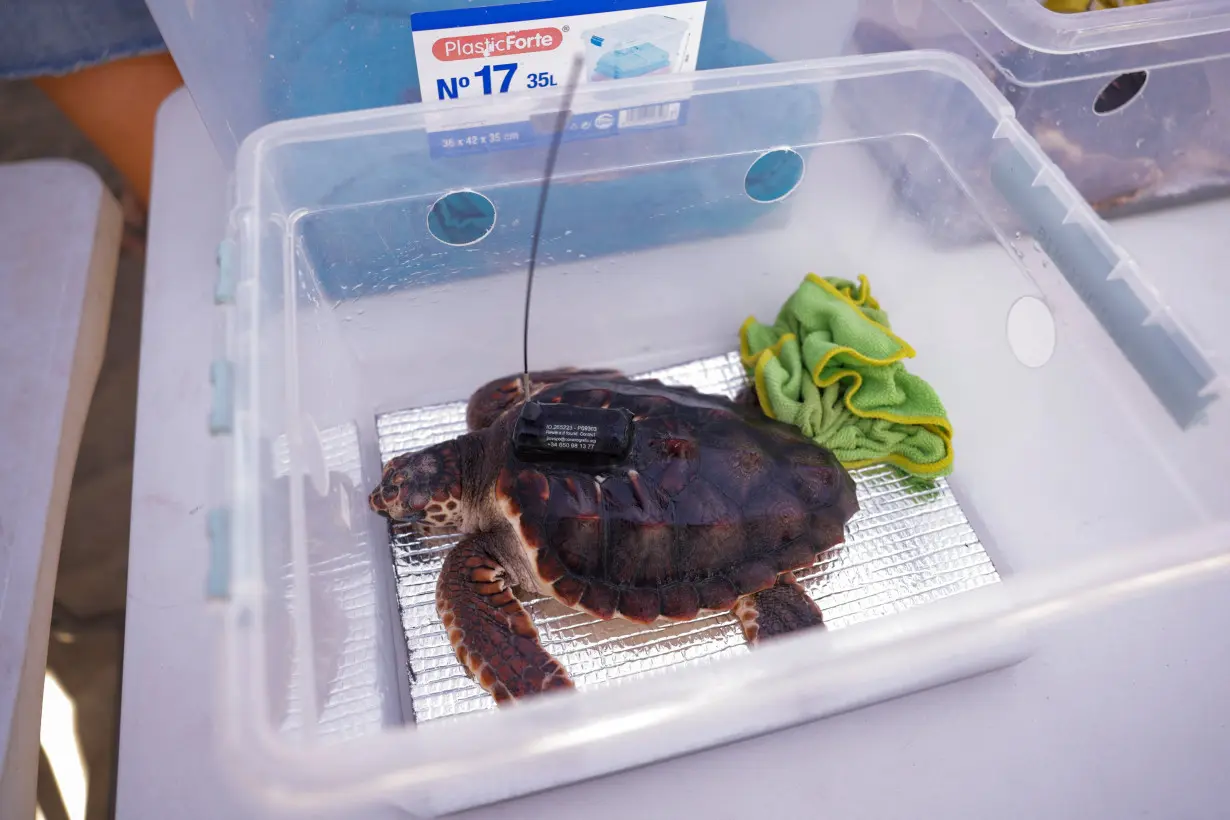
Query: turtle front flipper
x,y
494,638
782,608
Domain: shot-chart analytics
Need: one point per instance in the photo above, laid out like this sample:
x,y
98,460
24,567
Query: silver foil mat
x,y
909,544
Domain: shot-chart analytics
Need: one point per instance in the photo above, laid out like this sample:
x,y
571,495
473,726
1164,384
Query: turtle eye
x,y
389,493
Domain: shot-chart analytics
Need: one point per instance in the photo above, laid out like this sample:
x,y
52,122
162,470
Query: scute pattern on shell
x,y
713,502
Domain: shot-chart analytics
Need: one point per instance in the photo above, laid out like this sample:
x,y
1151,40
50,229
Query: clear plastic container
x,y
1132,103
1092,453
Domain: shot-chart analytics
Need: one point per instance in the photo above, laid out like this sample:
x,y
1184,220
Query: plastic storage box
x,y
1132,103
1087,417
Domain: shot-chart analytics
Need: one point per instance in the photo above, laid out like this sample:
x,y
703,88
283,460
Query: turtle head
x,y
423,487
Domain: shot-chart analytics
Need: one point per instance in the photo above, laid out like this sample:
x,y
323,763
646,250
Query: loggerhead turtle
x,y
713,509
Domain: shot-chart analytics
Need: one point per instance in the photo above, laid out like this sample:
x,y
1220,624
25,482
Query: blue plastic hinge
x,y
222,401
224,289
596,40
218,574
1167,361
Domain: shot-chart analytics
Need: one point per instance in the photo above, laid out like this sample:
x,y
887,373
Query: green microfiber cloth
x,y
831,366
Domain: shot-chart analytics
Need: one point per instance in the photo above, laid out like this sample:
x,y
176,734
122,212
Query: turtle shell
x,y
713,501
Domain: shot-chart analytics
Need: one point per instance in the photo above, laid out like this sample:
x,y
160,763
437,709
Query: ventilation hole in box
x,y
774,175
1031,331
461,218
1120,91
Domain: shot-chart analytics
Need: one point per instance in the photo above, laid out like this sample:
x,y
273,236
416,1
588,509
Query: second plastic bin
x,y
1086,417
1132,103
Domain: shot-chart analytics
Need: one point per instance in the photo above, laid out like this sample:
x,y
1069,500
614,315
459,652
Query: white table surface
x,y
59,247
1121,714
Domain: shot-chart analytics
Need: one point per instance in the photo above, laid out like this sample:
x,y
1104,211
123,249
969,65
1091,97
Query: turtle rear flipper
x,y
782,608
491,633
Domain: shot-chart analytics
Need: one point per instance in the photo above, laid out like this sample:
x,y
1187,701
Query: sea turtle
x,y
713,509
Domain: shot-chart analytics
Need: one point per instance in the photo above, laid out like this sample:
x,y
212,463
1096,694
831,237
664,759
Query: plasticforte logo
x,y
474,46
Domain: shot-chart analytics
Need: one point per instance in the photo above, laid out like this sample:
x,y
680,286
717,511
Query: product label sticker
x,y
472,53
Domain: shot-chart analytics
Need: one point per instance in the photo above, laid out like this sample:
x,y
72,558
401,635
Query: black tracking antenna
x,y
561,122
556,431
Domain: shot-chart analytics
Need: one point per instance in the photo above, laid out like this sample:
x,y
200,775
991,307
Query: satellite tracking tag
x,y
555,430
566,431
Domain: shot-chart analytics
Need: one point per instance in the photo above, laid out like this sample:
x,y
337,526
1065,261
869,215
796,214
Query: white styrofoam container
x,y
1089,474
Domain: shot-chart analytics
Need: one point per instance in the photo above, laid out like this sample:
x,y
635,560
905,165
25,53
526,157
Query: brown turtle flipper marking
x,y
494,638
782,608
